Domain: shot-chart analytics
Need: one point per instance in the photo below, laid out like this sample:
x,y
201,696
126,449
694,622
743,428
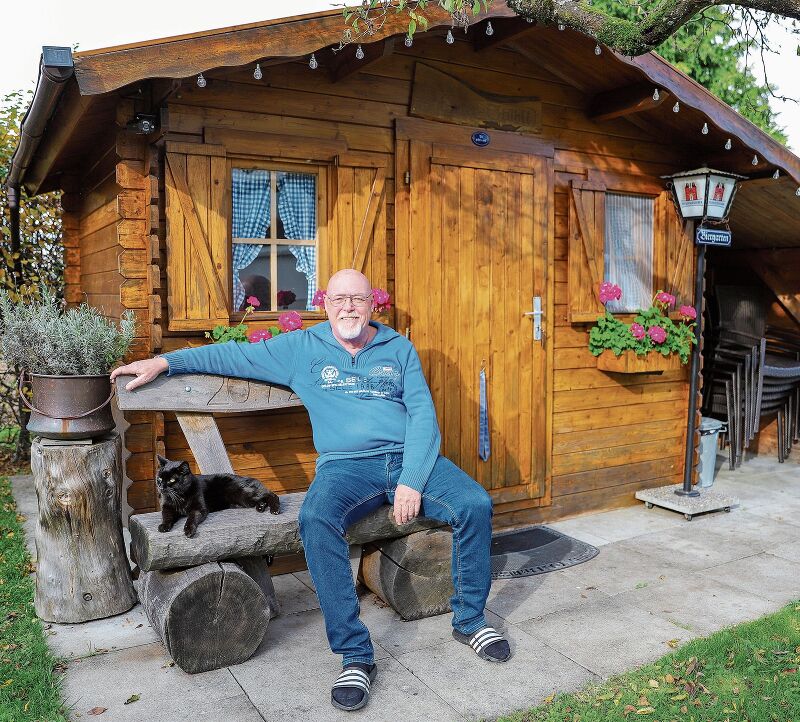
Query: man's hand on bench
x,y
407,502
145,371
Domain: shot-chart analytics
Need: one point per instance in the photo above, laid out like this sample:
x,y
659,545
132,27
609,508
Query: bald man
x,y
378,440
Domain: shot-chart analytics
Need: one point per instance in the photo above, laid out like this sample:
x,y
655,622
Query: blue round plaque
x,y
480,138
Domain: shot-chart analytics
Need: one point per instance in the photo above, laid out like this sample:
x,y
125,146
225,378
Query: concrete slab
x,y
619,524
293,596
480,689
790,551
760,532
765,575
619,568
517,600
120,632
396,694
688,549
606,636
698,603
166,694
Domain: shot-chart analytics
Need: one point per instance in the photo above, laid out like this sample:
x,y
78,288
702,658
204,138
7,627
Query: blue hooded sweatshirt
x,y
362,405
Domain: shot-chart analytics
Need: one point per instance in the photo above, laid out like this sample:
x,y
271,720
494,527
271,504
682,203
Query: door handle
x,y
536,315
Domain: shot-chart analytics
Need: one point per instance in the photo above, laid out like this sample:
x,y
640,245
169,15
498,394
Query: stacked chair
x,y
751,371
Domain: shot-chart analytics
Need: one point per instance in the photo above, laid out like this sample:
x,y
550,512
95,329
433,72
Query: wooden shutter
x,y
586,263
358,213
198,245
674,249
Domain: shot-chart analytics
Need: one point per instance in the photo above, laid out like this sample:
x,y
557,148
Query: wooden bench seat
x,y
210,598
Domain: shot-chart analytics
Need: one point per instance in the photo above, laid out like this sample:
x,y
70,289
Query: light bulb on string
x,y
201,81
489,28
656,95
704,130
728,144
408,41
530,20
797,192
561,27
449,38
257,74
676,108
598,49
755,160
312,63
359,53
776,174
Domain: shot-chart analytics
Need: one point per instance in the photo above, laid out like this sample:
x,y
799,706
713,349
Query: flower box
x,y
629,363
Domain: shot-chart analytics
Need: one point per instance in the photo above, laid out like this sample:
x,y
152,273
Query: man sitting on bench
x,y
375,429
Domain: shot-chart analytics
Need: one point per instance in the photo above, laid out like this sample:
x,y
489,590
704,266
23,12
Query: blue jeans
x,y
345,491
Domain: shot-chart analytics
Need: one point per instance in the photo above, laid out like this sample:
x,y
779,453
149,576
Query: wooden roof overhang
x,y
618,86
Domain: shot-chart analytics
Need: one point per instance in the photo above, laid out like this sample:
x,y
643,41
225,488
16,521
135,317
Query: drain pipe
x,y
55,69
16,243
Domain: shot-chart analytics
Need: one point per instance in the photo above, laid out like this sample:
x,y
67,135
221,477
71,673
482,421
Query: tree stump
x,y
209,616
82,571
412,574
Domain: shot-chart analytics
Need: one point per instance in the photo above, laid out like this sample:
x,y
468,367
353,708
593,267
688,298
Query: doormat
x,y
536,550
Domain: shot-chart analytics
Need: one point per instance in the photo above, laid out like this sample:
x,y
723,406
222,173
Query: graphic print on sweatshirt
x,y
382,380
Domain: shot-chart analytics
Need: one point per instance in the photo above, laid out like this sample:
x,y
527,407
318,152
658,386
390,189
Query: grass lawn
x,y
743,673
29,688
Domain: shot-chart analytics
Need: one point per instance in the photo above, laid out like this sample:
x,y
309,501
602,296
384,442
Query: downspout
x,y
55,69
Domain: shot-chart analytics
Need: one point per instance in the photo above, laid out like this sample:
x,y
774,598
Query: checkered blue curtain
x,y
250,220
297,206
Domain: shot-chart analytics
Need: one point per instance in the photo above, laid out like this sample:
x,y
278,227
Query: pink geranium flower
x,y
688,313
637,331
290,321
319,298
381,299
260,335
658,334
609,292
665,298
253,301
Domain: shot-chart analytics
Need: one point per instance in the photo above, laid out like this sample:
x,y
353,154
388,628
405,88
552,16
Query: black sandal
x,y
487,642
354,683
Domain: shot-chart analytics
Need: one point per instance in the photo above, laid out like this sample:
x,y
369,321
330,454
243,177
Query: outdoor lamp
x,y
704,193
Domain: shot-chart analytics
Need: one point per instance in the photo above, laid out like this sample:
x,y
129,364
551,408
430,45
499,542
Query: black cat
x,y
194,495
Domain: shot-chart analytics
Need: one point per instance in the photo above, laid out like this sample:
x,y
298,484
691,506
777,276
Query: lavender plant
x,y
42,337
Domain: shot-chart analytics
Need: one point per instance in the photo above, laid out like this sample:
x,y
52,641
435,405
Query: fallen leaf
x,y
172,664
547,700
653,683
673,643
132,698
679,697
645,710
628,709
97,710
684,709
669,679
789,671
643,701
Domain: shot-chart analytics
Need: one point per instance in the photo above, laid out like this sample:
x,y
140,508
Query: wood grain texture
x,y
82,569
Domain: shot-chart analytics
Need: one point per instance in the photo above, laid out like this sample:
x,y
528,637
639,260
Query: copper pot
x,y
69,407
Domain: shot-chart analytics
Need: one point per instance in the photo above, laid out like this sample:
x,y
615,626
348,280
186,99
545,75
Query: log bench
x,y
210,598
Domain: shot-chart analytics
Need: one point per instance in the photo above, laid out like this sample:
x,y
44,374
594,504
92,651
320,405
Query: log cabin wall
x,y
612,434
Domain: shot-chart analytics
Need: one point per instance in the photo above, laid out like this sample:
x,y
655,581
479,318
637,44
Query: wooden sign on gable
x,y
437,95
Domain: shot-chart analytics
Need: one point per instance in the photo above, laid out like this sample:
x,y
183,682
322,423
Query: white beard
x,y
349,330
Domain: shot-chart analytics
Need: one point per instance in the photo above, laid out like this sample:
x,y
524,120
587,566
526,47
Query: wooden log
x,y
82,571
209,616
412,574
233,533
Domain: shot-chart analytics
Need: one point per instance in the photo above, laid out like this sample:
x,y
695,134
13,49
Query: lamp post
x,y
707,195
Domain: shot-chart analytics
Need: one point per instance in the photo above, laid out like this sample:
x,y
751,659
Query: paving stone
x,y
620,524
790,551
576,528
167,694
120,632
760,532
699,603
619,567
607,636
294,596
688,549
478,688
765,575
516,600
396,694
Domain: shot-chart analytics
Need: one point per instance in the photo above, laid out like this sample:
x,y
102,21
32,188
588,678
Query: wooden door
x,y
476,243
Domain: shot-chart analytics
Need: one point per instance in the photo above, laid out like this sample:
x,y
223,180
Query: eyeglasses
x,y
337,301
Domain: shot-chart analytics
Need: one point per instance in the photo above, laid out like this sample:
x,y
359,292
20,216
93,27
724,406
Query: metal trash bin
x,y
709,441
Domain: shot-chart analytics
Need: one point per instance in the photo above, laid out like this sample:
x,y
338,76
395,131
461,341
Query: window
x,y
274,236
628,249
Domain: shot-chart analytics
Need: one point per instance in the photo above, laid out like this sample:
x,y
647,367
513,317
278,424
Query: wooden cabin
x,y
469,179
